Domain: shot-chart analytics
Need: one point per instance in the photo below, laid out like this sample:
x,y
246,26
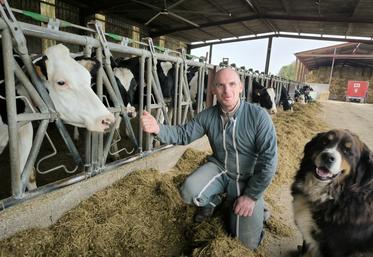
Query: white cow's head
x,y
69,86
271,93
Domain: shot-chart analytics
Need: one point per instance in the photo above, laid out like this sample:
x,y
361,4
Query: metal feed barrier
x,y
97,146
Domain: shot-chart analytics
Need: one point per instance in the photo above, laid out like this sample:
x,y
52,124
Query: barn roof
x,y
347,54
206,20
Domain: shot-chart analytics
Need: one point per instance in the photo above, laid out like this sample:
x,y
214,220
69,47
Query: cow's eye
x,y
61,82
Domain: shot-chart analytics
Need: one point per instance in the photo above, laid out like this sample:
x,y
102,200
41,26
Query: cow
x,y
165,72
24,133
299,97
302,94
68,85
285,100
192,77
166,76
126,84
265,97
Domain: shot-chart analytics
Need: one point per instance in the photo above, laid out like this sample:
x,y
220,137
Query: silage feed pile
x,y
143,214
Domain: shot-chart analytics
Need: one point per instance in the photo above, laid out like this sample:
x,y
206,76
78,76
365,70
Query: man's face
x,y
227,88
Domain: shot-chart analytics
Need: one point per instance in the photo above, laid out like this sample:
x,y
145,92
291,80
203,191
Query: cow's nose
x,y
105,122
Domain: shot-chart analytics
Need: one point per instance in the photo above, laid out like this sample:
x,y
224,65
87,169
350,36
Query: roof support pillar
x,y
210,54
303,73
297,64
269,48
297,69
331,69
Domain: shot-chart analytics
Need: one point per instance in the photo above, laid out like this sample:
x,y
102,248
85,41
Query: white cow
x,y
69,86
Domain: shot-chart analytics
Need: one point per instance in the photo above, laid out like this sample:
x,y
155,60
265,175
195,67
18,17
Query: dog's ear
x,y
308,152
311,145
363,179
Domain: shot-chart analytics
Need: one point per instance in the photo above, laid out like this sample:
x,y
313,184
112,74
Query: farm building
x,y
78,174
335,66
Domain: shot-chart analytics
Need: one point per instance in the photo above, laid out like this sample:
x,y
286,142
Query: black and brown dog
x,y
333,196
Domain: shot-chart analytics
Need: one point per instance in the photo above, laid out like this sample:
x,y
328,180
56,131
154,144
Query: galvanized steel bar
x,y
34,95
180,96
157,90
99,85
148,139
141,100
36,144
176,85
12,113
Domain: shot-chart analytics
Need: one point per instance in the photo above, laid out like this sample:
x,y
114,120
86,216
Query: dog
x,y
333,196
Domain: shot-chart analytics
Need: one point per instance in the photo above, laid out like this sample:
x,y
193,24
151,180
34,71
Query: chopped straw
x,y
143,214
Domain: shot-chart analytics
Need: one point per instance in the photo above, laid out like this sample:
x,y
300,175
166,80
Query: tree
x,y
287,71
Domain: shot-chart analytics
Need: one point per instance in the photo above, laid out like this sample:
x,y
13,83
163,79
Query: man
x,y
243,140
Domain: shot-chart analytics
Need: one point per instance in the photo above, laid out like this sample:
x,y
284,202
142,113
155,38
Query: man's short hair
x,y
225,68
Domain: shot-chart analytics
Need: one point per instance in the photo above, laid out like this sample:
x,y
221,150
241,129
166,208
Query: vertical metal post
x,y
99,83
89,149
297,69
331,69
141,100
148,98
209,96
180,98
201,86
176,102
269,48
12,113
210,54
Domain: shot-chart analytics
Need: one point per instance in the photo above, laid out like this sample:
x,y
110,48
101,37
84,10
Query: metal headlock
x,y
249,87
46,106
155,84
184,92
109,71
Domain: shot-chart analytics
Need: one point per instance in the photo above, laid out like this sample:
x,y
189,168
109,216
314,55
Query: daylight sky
x,y
252,53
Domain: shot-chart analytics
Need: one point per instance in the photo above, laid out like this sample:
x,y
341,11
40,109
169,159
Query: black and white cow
x,y
127,85
192,77
285,100
265,97
302,94
69,86
128,73
165,71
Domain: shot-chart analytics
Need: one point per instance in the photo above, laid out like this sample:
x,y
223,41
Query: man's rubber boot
x,y
203,213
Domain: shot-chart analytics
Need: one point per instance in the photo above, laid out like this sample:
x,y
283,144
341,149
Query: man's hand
x,y
244,206
149,124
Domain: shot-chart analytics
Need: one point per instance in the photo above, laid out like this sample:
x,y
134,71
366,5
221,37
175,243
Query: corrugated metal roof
x,y
201,20
351,54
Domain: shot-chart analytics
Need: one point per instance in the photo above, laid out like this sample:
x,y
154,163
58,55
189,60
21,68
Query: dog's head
x,y
337,155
